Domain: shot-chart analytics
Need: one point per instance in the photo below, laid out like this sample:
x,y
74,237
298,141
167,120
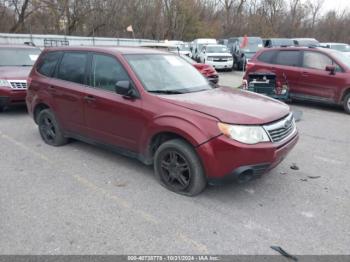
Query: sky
x,y
338,5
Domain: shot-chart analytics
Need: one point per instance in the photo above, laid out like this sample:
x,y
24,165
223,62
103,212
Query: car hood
x,y
232,106
219,54
14,72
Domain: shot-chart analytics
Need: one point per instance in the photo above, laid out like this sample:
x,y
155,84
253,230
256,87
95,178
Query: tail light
x,y
245,84
249,66
278,88
29,81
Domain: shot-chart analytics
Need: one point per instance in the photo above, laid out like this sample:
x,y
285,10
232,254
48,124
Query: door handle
x,y
89,98
305,74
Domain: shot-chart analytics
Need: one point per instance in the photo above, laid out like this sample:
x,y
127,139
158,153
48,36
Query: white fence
x,y
39,40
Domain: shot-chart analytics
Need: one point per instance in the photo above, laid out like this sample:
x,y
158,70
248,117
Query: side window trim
x,y
52,73
89,73
333,62
300,58
55,75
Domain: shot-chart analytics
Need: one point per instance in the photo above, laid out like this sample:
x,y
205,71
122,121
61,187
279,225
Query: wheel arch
x,y
38,108
344,94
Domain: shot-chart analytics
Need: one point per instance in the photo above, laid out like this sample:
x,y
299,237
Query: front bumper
x,y
10,97
226,159
220,65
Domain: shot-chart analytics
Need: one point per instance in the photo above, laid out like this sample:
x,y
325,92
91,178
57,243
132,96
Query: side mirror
x,y
125,89
331,69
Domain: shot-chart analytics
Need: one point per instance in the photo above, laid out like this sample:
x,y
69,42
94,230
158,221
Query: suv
x,y
15,65
315,74
156,107
217,56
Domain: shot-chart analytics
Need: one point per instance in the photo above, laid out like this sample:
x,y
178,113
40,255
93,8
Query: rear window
x,y
48,63
267,56
72,67
288,58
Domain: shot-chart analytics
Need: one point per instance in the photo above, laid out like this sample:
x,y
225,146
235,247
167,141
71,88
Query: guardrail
x,y
55,40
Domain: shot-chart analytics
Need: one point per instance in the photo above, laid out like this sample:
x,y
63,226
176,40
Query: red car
x,y
156,107
15,65
312,74
207,70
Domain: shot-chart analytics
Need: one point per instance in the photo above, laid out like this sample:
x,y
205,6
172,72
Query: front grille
x,y
18,84
281,129
219,58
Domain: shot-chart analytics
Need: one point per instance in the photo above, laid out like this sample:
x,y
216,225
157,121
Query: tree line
x,y
176,19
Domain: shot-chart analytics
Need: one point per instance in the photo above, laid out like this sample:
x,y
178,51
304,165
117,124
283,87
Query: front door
x,y
111,118
315,82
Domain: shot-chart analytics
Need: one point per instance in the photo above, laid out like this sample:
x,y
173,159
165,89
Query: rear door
x,y
286,66
111,118
316,83
68,90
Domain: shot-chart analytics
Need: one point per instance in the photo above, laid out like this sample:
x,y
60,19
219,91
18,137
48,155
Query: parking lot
x,y
80,199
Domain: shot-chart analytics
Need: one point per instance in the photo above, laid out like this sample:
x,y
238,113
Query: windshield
x,y
167,74
341,48
18,56
217,49
252,45
341,57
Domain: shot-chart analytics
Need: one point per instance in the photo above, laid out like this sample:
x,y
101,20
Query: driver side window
x,y
106,71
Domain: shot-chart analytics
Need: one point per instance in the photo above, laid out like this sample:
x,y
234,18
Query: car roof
x,y
301,48
110,49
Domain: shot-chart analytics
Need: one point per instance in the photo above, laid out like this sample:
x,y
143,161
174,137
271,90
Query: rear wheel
x,y
178,168
49,129
2,108
346,103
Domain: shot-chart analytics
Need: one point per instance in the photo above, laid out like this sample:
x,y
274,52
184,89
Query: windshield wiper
x,y
170,92
26,65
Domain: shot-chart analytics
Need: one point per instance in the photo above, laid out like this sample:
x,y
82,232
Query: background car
x,y
341,47
313,74
278,42
16,62
243,49
218,56
207,70
305,42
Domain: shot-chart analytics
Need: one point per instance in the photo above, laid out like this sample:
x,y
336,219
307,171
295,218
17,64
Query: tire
x,y
49,129
346,103
178,168
2,108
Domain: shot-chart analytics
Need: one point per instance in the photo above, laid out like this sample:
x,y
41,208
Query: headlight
x,y
209,58
229,59
4,83
244,134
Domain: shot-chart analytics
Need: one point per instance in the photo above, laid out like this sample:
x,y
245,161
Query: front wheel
x,y
49,129
346,103
178,168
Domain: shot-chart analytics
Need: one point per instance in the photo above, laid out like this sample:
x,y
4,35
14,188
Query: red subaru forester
x,y
310,74
158,108
16,62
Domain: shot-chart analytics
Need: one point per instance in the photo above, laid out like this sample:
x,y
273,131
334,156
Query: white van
x,y
198,44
